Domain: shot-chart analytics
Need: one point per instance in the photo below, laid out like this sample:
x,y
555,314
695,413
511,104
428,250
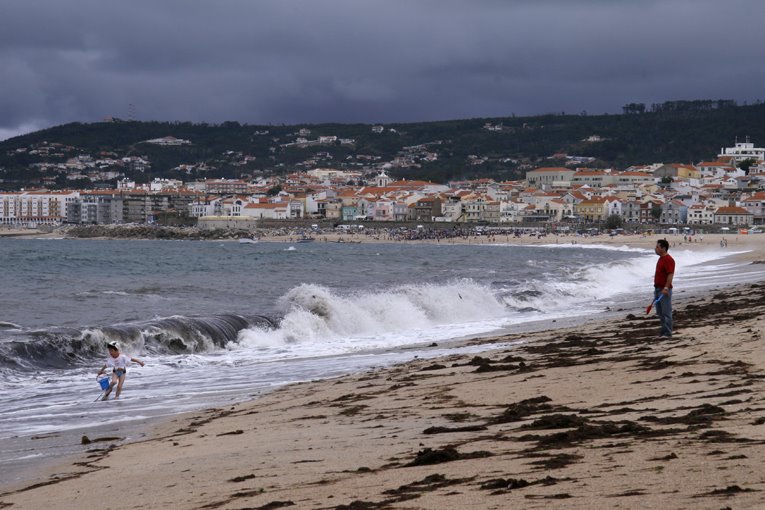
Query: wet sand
x,y
602,415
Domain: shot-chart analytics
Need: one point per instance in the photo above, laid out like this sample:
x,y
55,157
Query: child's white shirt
x,y
121,361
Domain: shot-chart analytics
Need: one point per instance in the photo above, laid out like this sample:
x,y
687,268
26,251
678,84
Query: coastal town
x,y
726,190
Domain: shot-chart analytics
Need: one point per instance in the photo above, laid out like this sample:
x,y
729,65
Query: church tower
x,y
382,180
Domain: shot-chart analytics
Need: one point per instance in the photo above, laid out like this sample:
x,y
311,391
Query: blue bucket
x,y
104,382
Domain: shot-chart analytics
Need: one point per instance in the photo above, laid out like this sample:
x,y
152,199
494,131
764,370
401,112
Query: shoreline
x,y
704,241
477,431
355,384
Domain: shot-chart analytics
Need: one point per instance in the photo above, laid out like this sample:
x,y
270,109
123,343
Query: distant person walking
x,y
118,363
662,286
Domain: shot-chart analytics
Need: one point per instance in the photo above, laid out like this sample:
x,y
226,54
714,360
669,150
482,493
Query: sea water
x,y
218,322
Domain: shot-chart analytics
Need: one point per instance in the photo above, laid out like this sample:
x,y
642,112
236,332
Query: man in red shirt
x,y
662,286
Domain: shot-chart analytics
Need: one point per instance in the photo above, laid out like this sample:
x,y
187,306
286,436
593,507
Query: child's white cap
x,y
114,345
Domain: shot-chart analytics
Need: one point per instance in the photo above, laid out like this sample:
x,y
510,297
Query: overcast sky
x,y
289,61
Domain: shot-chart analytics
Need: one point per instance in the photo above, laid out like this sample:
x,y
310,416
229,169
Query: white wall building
x,y
206,207
742,151
700,214
164,184
168,141
269,210
34,208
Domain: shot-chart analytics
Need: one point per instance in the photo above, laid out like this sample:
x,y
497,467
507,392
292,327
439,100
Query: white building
x,y
164,184
549,176
594,178
168,141
493,127
700,214
633,179
733,216
382,180
33,208
125,184
269,210
742,151
758,169
208,206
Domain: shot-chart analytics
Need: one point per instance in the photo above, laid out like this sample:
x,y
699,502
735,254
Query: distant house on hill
x,y
742,151
168,141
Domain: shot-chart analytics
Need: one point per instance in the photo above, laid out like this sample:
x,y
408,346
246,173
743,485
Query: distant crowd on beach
x,y
405,234
357,234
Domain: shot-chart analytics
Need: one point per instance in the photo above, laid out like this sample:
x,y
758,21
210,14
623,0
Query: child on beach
x,y
119,363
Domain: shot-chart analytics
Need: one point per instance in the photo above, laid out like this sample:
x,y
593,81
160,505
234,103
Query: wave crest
x,y
313,313
170,335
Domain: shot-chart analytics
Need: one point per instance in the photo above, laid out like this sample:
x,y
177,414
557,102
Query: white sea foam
x,y
319,321
575,288
322,321
601,247
326,332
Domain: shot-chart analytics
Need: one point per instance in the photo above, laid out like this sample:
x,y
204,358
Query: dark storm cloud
x,y
367,61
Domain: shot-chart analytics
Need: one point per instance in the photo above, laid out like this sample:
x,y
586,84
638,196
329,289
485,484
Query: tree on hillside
x,y
614,221
656,211
633,108
746,165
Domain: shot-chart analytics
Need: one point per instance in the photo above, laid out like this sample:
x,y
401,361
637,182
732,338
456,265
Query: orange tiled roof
x,y
732,210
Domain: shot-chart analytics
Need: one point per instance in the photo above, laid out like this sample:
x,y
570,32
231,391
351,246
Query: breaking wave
x,y
314,314
61,348
318,320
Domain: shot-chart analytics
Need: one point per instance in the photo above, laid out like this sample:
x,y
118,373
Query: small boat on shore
x,y
248,240
306,240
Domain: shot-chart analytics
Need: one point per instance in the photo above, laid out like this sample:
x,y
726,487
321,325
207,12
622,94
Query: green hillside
x,y
680,131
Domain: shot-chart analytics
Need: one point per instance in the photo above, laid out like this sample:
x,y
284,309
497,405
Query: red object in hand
x,y
648,310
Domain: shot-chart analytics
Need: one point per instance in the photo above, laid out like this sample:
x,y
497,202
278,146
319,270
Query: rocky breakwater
x,y
152,232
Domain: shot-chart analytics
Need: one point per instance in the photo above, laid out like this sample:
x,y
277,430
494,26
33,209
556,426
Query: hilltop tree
x,y
633,108
746,165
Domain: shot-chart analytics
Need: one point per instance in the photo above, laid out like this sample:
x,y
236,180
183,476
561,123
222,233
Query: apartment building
x,y
35,208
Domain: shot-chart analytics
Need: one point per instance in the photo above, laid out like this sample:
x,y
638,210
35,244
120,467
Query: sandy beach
x,y
604,415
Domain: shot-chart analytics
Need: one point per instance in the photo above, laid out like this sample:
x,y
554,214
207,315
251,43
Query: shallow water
x,y
218,322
